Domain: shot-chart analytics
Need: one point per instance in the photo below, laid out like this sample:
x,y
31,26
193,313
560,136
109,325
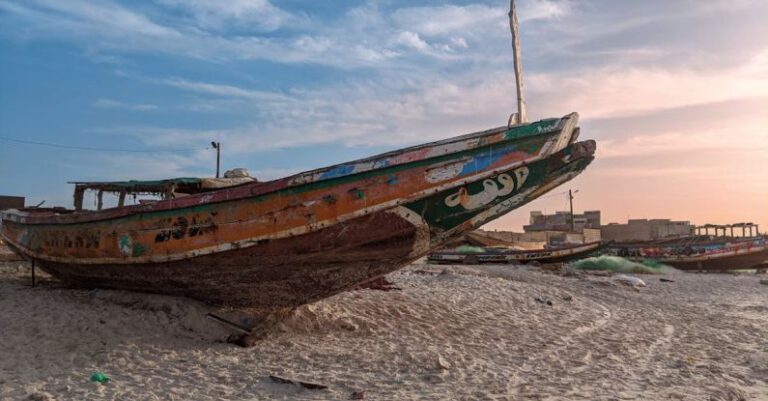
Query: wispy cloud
x,y
242,15
224,90
114,104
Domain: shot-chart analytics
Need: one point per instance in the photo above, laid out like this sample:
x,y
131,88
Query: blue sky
x,y
676,93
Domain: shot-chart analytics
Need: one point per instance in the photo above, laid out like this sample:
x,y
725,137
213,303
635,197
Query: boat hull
x,y
711,256
274,274
556,255
297,245
733,260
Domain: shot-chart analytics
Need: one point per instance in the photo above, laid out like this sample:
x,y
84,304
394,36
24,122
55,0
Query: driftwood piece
x,y
228,323
311,386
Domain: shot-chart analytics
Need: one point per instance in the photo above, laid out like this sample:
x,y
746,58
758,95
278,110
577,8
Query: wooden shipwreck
x,y
291,241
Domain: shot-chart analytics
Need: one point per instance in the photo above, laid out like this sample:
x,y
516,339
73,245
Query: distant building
x,y
11,202
561,221
645,230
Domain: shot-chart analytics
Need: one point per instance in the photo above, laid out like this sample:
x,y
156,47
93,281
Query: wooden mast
x,y
521,113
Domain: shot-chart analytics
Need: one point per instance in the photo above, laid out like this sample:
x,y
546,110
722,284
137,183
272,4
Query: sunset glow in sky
x,y
674,92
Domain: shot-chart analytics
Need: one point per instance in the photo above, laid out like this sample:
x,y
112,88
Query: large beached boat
x,y
298,239
283,243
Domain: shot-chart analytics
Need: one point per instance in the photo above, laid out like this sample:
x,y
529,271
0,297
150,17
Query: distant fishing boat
x,y
283,243
504,256
700,253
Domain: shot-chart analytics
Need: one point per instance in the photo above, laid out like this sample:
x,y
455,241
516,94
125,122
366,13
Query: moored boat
x,y
503,256
295,240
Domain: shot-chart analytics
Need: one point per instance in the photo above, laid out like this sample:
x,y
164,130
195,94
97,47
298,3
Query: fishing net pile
x,y
469,249
621,265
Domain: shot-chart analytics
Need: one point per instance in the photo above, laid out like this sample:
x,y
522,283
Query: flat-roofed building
x,y
11,202
561,221
645,230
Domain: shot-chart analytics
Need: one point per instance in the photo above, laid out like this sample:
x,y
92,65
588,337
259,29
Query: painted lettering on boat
x,y
64,239
502,185
181,226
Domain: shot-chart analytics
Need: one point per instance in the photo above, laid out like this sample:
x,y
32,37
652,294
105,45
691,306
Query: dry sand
x,y
450,333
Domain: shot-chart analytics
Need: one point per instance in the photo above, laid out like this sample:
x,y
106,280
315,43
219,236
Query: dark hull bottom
x,y
745,261
275,274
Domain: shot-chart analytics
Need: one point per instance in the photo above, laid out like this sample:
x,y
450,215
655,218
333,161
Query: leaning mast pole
x,y
521,113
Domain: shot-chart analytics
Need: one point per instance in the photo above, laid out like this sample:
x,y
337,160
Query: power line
x,y
93,149
553,195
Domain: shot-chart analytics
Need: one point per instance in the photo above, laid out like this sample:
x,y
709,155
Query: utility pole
x,y
217,146
518,64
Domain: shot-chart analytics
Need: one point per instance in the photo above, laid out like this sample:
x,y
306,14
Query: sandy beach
x,y
448,332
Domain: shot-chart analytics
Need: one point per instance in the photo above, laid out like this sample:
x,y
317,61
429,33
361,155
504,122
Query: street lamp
x,y
217,146
570,199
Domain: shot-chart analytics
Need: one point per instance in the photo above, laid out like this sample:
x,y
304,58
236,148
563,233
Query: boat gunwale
x,y
263,188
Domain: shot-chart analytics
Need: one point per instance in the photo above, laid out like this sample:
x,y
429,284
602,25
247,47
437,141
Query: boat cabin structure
x,y
163,189
728,229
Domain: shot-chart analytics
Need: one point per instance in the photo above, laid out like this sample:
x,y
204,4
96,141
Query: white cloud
x,y
543,9
225,90
447,20
259,15
82,18
114,104
412,40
